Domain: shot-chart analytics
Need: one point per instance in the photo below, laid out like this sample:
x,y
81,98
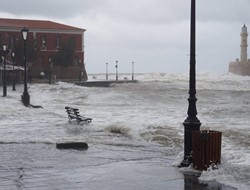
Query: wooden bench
x,y
73,114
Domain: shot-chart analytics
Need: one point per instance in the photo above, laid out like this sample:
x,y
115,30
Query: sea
x,y
136,134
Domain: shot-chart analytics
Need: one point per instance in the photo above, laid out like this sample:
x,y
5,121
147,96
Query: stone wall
x,y
240,69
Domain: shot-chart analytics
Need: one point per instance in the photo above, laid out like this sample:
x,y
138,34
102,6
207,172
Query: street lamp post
x,y
132,70
13,75
107,76
25,96
4,71
81,69
191,123
50,69
116,66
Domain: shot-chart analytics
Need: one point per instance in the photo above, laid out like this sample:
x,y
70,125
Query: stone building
x,y
241,66
52,48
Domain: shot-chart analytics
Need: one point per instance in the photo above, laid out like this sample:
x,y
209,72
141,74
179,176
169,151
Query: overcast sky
x,y
154,34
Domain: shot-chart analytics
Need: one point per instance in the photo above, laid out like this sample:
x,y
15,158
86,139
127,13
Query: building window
x,y
76,60
40,60
58,43
43,42
72,40
12,40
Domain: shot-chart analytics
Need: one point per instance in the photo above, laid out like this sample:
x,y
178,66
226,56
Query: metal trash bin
x,y
206,149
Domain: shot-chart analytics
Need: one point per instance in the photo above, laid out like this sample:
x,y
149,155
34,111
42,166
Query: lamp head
x,y
4,47
24,32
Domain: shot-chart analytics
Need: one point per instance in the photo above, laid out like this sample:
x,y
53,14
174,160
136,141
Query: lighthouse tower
x,y
243,53
241,66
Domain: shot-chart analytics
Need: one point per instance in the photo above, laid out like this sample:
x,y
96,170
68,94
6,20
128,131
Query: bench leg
x,y
70,120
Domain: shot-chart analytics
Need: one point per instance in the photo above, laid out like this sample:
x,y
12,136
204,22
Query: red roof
x,y
35,24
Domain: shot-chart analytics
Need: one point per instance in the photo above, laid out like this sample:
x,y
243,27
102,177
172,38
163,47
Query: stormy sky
x,y
154,34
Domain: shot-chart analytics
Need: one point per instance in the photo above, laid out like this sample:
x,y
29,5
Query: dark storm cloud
x,y
223,10
153,33
48,8
141,11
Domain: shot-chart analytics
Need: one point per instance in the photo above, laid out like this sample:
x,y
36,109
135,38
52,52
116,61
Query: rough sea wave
x,y
140,121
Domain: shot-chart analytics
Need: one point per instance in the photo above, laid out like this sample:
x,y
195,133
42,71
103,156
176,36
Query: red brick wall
x,y
41,63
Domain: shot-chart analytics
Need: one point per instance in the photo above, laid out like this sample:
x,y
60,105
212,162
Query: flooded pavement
x,y
41,166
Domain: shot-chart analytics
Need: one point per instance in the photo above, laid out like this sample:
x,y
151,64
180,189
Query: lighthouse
x,y
243,52
241,66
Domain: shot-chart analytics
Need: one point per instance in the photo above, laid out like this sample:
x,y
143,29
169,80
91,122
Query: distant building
x,y
52,48
241,66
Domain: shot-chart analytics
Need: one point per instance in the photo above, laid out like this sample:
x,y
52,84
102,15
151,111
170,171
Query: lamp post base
x,y
4,91
26,99
190,125
14,87
185,162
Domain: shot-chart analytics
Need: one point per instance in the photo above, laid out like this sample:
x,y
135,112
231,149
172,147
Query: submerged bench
x,y
72,145
74,115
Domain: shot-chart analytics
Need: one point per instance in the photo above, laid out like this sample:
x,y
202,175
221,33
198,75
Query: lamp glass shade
x,y
24,32
4,47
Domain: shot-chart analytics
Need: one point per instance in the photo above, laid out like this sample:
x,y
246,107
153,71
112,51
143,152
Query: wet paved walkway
x,y
43,167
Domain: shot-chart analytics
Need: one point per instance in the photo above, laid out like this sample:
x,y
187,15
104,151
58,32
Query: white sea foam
x,y
148,115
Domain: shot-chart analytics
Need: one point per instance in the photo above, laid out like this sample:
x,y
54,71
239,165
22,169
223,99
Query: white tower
x,y
243,53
